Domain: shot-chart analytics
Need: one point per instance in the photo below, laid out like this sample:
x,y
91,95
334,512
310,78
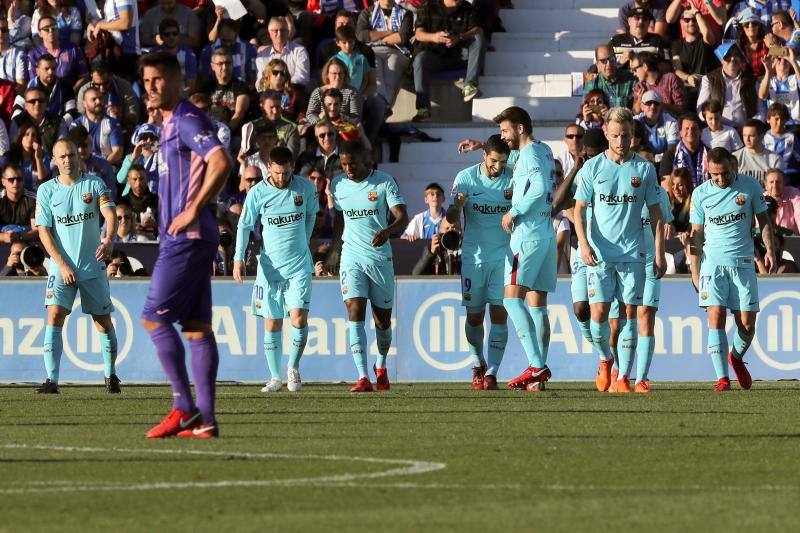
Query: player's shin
x,y
273,350
172,356
526,330
205,361
53,346
358,346
108,345
626,346
541,323
601,333
718,350
741,342
644,356
299,339
586,329
474,336
498,338
383,338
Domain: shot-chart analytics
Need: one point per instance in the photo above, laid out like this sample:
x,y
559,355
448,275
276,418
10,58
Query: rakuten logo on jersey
x,y
71,220
360,213
616,199
284,220
729,218
490,209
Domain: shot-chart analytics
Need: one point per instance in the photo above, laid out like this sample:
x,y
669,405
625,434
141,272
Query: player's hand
x,y
588,255
103,251
770,262
380,238
238,271
660,266
667,231
67,274
469,145
182,221
508,222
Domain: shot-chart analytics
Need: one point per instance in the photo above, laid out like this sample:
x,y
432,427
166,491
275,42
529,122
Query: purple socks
x,y
205,360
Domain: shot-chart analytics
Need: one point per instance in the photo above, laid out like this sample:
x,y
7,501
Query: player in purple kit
x,y
193,170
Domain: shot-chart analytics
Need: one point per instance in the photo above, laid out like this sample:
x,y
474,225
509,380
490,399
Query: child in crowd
x,y
718,134
782,142
357,64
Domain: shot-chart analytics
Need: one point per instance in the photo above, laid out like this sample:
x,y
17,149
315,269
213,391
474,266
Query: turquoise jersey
x,y
488,200
649,238
512,158
365,206
287,218
727,215
618,194
534,183
72,212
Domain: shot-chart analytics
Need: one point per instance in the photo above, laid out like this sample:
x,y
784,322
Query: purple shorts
x,y
180,289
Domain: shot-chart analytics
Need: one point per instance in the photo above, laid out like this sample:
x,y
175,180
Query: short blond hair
x,y
621,115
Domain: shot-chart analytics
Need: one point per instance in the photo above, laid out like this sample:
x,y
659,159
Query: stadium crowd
x,y
698,74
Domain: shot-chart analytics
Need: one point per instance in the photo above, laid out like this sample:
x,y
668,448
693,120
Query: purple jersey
x,y
188,138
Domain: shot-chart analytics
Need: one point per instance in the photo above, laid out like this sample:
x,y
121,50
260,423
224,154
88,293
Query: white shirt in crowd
x,y
727,138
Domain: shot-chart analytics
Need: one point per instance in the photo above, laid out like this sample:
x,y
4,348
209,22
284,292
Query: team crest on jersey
x,y
87,198
298,200
740,199
508,193
344,289
49,294
258,304
636,181
467,296
372,196
704,296
591,293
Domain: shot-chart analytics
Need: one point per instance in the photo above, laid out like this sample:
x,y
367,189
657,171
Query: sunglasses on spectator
x,y
326,134
49,28
687,20
574,136
279,73
124,217
751,23
652,102
35,101
604,60
12,179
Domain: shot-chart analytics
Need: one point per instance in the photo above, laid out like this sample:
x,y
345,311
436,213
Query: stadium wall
x,y
428,336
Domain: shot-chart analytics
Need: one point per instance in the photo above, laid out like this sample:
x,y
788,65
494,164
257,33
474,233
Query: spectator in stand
x,y
120,17
661,128
657,8
436,259
19,25
105,131
781,82
334,76
203,102
693,55
323,226
117,94
242,54
573,146
13,61
51,126
60,95
357,66
5,142
787,200
17,208
251,176
169,32
271,113
294,55
732,85
443,30
616,83
389,28
754,160
785,264
762,9
348,129
145,154
324,155
189,24
751,41
328,48
668,87
27,153
781,142
689,153
426,224
679,187
67,16
713,12
142,202
718,134
276,78
92,163
638,38
71,64
227,91
782,28
594,107
119,266
126,228
264,139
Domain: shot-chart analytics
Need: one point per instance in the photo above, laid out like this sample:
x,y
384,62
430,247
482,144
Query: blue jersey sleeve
x,y
199,134
697,214
312,208
759,202
584,190
334,191
666,209
651,193
115,134
460,185
247,221
534,186
44,215
103,193
393,196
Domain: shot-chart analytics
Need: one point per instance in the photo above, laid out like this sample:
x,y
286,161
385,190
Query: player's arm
x,y
312,208
564,198
50,245
768,236
109,214
247,221
458,198
400,221
657,226
579,213
217,168
696,240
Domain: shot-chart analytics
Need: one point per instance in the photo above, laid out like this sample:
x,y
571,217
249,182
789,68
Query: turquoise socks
x,y
586,330
53,346
741,343
541,324
475,340
601,333
358,346
108,345
383,338
273,349
498,338
718,350
626,346
299,338
523,323
644,355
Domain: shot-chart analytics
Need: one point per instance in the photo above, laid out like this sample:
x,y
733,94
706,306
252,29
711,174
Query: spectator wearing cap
x,y
145,154
242,54
426,224
67,16
617,84
227,91
661,128
271,112
324,155
13,61
718,134
105,131
787,199
781,82
754,160
60,95
17,208
638,38
732,85
689,153
169,32
761,9
91,162
693,56
51,126
670,90
714,12
142,202
294,55
117,94
657,7
751,41
189,24
71,64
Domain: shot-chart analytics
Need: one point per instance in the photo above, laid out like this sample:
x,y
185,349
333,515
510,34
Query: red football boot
x,y
603,378
203,431
478,373
381,378
530,375
535,386
740,369
175,422
490,382
363,385
723,385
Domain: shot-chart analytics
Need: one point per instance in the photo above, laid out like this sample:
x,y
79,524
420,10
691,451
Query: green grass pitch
x,y
423,457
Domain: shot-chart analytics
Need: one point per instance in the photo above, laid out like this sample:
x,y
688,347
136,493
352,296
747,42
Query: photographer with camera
x,y
24,260
443,256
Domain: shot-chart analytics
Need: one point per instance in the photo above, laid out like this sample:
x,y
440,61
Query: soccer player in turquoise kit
x,y
363,198
530,269
286,207
618,184
69,208
483,192
723,269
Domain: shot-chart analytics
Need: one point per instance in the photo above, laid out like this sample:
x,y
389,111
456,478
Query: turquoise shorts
x,y
274,298
532,264
371,280
578,286
481,284
732,287
95,295
606,282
